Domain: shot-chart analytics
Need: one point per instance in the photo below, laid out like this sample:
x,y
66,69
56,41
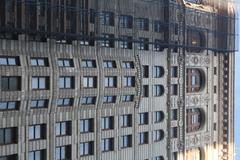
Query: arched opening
x,y
194,119
195,80
196,41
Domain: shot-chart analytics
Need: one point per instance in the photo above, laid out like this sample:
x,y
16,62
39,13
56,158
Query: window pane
x,y
31,132
3,61
34,83
11,61
31,156
33,103
11,105
3,105
41,62
37,131
61,82
58,157
33,62
42,84
60,63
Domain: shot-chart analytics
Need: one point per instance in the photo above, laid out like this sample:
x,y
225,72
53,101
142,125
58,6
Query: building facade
x,y
116,80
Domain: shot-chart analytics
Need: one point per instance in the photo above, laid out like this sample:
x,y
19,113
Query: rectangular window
x,y
9,157
143,44
129,81
63,128
126,42
174,114
107,18
158,71
145,91
37,155
88,100
126,21
215,89
107,122
158,135
158,45
86,148
143,118
127,64
88,63
158,26
65,62
145,71
90,82
40,83
9,61
63,102
86,125
158,116
143,24
126,141
143,138
107,144
41,62
37,131
41,103
174,132
66,82
11,83
158,90
110,81
109,64
174,89
63,153
8,135
215,107
107,40
127,98
9,105
126,120
109,99
174,71
215,70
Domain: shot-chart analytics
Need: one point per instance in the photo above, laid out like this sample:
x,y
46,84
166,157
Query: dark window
x,y
63,128
126,21
158,45
158,116
158,71
37,131
41,103
195,41
90,82
37,155
174,71
143,138
143,44
109,64
63,102
110,81
158,26
126,120
129,81
195,80
160,158
9,105
174,132
158,135
9,61
65,62
107,144
127,64
145,71
107,18
109,99
215,70
143,24
86,148
145,92
126,141
107,122
126,42
215,89
8,135
174,89
127,98
40,83
215,107
88,100
107,40
66,82
11,83
158,90
143,118
174,114
86,125
194,119
9,157
88,63
43,62
63,153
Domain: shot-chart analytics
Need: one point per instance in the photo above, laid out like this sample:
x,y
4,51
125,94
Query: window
x,y
126,120
126,21
9,61
110,81
11,83
195,80
37,131
143,138
9,157
8,135
215,70
107,144
158,90
143,118
158,26
158,116
158,71
126,42
87,148
174,114
42,62
127,64
108,40
40,83
41,103
174,71
214,126
215,89
90,82
143,24
37,155
174,132
145,71
126,141
145,91
196,41
194,119
63,128
215,107
88,63
108,122
174,89
143,44
63,102
127,98
9,105
86,125
63,153
129,81
66,82
65,62
88,100
159,158
158,45
109,64
158,135
109,99
107,18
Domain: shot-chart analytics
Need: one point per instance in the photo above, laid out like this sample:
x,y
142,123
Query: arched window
x,y
194,119
195,80
196,41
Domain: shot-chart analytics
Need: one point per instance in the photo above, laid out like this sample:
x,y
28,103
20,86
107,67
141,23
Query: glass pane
x,y
3,105
41,103
31,155
37,155
57,128
4,84
31,132
57,152
68,82
11,105
11,61
42,83
41,62
60,63
1,136
34,83
81,149
34,103
13,83
81,125
61,82
85,82
37,131
63,128
66,101
90,82
60,102
8,136
3,61
67,63
33,62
